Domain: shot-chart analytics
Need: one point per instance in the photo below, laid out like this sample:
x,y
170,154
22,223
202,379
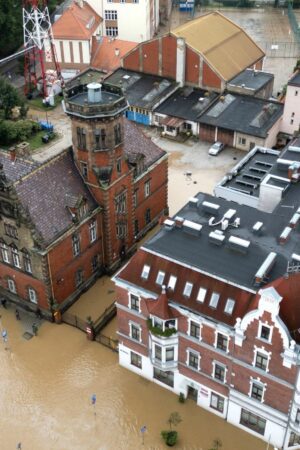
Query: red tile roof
x,y
79,23
160,307
107,54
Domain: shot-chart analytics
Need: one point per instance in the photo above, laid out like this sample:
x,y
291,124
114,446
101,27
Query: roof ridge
x,y
83,29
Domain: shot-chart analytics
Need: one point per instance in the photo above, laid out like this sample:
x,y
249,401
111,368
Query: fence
x,y
74,321
103,320
107,341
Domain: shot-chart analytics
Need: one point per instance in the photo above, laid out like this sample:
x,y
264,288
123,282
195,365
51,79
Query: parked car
x,y
216,148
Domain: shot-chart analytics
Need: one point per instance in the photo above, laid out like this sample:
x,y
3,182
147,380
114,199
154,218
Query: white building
x,y
291,114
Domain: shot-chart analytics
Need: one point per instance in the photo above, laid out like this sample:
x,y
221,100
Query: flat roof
x,y
295,80
140,89
249,115
241,254
187,103
251,79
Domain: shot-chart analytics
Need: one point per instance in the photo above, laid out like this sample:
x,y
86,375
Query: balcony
x,y
164,365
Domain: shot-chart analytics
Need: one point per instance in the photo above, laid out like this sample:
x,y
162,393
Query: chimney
x,y
179,221
180,61
117,51
13,153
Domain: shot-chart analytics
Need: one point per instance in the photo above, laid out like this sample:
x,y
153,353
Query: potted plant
x,y
170,436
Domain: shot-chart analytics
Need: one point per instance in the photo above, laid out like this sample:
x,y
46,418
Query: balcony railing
x,y
164,365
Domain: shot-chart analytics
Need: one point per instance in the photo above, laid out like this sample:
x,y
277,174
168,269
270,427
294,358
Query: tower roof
x,y
160,307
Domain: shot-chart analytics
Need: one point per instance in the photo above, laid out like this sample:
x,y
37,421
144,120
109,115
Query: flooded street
x,y
45,391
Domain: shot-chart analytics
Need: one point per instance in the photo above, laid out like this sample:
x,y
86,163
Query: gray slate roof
x,y
46,194
14,170
251,79
249,115
187,103
221,261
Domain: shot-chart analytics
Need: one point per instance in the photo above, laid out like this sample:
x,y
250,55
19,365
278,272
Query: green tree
x,y
9,98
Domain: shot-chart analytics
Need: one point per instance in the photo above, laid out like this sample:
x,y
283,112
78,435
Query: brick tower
x,y
96,111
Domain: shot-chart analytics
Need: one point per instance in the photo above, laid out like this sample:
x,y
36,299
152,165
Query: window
x,y
112,31
32,295
293,114
261,361
27,262
170,354
158,352
201,295
219,372
84,169
217,402
253,421
195,330
11,231
4,252
136,360
81,138
242,141
135,198
119,165
166,377
15,257
265,333
95,263
76,244
78,278
117,133
135,332
111,14
229,306
100,139
172,282
147,188
292,121
214,299
294,439
257,391
296,92
145,272
193,360
188,289
134,302
222,342
120,202
160,277
147,216
121,230
93,230
297,418
11,286
136,228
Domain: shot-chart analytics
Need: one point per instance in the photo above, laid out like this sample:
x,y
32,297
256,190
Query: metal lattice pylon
x,y
37,34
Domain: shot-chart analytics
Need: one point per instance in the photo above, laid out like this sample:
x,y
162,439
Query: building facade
x,y
291,114
208,308
68,220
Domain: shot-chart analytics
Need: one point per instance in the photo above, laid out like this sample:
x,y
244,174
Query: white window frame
x,y
93,231
76,244
11,285
145,272
219,396
263,385
229,310
265,353
172,282
187,291
147,188
111,14
217,363
16,258
201,295
216,340
200,329
4,253
134,324
265,324
188,351
129,301
160,276
32,295
214,300
27,262
111,31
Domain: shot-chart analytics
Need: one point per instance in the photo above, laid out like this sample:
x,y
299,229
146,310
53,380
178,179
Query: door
x,y
192,393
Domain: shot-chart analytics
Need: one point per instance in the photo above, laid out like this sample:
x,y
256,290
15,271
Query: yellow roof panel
x,y
226,47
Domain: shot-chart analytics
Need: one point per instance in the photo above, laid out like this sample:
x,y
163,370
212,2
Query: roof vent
x,y
209,207
229,214
216,237
201,99
294,220
193,202
265,268
224,224
285,235
192,227
257,227
94,92
236,243
169,224
179,221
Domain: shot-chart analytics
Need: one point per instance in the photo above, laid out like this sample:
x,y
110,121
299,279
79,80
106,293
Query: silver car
x,y
216,148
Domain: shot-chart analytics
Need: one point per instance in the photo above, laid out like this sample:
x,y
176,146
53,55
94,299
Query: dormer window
x,y
160,277
229,306
201,295
214,299
145,272
188,289
172,282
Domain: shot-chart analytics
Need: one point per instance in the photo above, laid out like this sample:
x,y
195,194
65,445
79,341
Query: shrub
x,y
11,132
158,331
170,437
181,398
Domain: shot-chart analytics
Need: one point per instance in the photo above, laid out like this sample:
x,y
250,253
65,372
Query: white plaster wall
x,y
76,53
239,197
292,105
67,54
249,139
57,49
273,132
86,52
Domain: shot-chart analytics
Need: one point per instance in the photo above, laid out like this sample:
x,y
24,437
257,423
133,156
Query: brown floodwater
x,y
46,386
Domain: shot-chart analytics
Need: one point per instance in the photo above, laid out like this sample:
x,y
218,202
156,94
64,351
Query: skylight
x,y
201,295
172,282
187,289
229,306
160,277
145,272
214,299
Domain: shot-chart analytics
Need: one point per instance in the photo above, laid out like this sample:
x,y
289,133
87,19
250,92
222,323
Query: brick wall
x,y
209,78
169,51
192,66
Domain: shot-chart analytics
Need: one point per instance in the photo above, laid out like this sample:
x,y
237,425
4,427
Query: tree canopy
x,y
9,98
